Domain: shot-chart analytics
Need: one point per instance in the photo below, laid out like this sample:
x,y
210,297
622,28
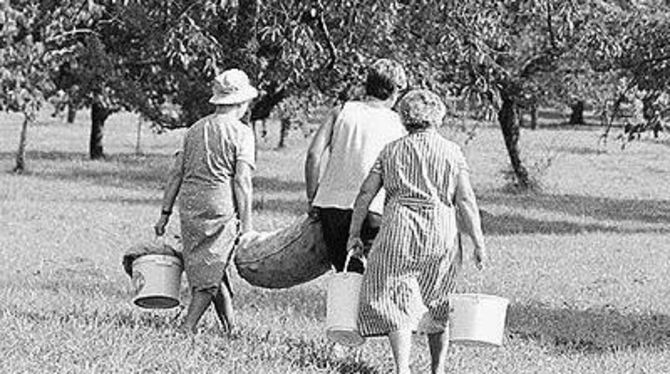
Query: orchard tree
x,y
23,63
633,44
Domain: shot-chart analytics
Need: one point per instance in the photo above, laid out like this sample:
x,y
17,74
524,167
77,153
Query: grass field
x,y
584,262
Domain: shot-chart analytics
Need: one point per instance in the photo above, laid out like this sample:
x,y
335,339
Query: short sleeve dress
x,y
212,147
412,263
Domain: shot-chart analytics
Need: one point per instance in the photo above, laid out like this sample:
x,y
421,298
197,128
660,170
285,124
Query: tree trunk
x,y
577,115
283,133
138,140
21,152
509,123
98,116
71,113
533,116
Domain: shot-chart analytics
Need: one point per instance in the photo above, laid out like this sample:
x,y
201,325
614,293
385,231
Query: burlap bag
x,y
286,257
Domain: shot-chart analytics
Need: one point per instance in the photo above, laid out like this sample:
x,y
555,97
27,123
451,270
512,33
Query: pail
x,y
156,279
344,289
477,319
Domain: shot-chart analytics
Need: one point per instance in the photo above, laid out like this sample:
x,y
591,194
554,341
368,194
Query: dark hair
x,y
379,86
417,125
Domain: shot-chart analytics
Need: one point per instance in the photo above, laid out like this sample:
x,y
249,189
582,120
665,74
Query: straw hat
x,y
232,87
422,107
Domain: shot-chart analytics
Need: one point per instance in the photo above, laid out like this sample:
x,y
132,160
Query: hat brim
x,y
238,97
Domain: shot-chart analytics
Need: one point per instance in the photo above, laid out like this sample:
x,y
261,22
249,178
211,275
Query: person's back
x,y
360,132
422,167
353,137
210,149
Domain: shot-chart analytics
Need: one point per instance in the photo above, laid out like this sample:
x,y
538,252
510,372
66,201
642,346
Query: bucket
x,y
156,279
344,289
477,319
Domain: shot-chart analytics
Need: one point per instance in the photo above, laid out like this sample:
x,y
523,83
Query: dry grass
x,y
583,262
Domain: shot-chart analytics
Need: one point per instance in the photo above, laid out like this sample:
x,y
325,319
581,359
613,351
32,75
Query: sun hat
x,y
232,87
422,107
391,70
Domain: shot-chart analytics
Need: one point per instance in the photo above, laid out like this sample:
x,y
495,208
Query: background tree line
x,y
158,57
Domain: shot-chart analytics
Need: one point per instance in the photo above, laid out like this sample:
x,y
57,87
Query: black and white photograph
x,y
335,186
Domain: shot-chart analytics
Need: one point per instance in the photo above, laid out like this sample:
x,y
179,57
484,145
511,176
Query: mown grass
x,y
584,261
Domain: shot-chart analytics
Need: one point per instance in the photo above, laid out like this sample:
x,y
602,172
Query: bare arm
x,y
319,144
369,189
468,211
175,178
243,189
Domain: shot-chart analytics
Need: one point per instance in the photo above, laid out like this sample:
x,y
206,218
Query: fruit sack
x,y
286,257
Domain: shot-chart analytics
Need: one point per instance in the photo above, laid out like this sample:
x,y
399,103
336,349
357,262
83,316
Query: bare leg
x,y
438,344
200,300
401,345
223,303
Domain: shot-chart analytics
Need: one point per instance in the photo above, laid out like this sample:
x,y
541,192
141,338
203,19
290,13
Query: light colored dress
x,y
360,132
411,266
209,226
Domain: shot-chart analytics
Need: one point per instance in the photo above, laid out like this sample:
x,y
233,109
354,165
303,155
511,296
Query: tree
x,y
632,45
22,69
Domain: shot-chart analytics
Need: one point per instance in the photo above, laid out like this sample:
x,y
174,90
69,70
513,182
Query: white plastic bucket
x,y
477,319
342,308
156,279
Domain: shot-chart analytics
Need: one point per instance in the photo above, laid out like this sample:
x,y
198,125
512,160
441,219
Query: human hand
x,y
247,237
159,227
480,256
312,211
355,247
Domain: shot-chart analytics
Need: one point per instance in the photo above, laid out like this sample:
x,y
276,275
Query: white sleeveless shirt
x,y
359,133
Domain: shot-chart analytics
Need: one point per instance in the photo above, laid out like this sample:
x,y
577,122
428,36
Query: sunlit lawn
x,y
584,262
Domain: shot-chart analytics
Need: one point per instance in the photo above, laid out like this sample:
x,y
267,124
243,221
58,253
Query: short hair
x,y
384,78
421,109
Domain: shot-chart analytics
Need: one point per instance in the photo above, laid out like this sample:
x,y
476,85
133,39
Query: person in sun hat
x,y
212,176
414,259
352,136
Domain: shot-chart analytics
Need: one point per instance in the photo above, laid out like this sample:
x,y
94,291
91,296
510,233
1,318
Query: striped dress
x,y
413,261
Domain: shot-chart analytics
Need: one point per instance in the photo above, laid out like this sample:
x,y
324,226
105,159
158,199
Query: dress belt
x,y
419,202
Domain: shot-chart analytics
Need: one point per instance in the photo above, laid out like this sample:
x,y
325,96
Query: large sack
x,y
284,258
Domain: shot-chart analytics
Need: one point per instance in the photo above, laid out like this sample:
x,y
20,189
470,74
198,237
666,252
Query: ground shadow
x,y
146,171
649,211
583,150
266,184
287,206
514,224
588,331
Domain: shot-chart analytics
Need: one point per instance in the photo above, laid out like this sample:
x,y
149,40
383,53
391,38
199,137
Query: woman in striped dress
x,y
413,261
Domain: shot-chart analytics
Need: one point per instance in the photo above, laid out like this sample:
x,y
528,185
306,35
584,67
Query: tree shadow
x,y
582,150
595,330
648,211
286,206
146,171
514,224
265,184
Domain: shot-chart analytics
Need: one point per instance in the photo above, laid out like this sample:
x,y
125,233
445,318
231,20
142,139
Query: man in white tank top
x,y
354,135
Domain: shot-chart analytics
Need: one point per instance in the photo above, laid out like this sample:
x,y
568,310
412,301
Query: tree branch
x,y
326,33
